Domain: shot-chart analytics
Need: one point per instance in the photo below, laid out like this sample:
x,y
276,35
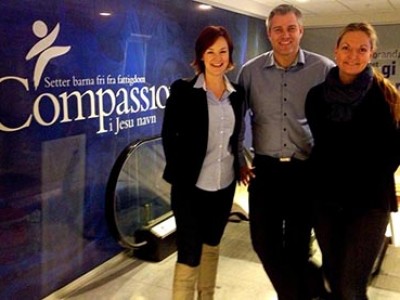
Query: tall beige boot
x,y
208,272
185,278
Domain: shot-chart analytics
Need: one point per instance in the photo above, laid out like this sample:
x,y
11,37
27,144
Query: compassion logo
x,y
110,106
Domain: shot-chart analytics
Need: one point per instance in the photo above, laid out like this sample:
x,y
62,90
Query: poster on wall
x,y
112,101
388,61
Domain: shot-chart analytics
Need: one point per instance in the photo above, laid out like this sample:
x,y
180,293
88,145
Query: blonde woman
x,y
354,118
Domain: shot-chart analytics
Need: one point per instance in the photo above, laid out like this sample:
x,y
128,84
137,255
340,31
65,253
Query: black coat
x,y
185,131
354,161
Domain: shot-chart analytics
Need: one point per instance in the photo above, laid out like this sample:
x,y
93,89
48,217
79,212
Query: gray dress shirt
x,y
276,97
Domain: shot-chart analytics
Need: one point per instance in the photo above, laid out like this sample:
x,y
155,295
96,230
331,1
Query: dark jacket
x,y
354,161
185,131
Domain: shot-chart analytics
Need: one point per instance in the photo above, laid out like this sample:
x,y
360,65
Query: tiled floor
x,y
124,278
240,275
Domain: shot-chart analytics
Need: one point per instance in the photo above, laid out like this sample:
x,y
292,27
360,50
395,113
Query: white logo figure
x,y
43,49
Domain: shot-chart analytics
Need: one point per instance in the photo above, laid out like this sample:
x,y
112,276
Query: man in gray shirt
x,y
276,84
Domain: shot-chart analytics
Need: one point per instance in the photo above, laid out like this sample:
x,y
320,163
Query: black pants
x,y
350,244
201,217
280,223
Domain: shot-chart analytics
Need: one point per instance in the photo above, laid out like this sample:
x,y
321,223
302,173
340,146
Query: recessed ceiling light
x,y
105,14
205,6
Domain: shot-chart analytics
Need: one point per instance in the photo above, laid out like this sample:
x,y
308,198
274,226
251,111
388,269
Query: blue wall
x,y
75,89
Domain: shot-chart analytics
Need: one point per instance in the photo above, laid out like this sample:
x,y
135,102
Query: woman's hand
x,y
246,174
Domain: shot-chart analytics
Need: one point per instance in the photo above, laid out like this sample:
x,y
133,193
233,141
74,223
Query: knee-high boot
x,y
208,272
185,278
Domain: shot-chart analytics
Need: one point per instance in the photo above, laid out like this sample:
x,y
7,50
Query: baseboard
x,y
88,277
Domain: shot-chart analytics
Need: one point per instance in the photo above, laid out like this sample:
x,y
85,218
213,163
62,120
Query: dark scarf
x,y
344,98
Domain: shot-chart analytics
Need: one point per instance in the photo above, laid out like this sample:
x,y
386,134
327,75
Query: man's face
x,y
285,34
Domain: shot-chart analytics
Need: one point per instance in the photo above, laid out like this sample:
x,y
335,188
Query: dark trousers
x,y
350,244
201,217
280,224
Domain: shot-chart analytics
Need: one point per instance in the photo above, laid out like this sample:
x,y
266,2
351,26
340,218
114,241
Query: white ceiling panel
x,y
328,7
395,4
368,6
321,13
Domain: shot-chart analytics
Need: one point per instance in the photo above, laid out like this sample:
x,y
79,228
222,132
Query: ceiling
x,y
321,13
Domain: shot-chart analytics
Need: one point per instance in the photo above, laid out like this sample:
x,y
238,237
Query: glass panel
x,y
141,195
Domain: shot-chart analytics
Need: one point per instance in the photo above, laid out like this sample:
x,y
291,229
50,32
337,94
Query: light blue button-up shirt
x,y
276,98
217,171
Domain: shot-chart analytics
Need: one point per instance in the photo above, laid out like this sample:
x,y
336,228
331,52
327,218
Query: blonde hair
x,y
388,89
390,93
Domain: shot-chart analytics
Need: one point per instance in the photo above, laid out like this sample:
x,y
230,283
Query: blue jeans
x,y
350,244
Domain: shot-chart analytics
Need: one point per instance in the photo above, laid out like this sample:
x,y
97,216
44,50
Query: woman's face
x,y
353,54
216,58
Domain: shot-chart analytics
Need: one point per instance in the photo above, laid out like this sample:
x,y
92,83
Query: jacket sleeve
x,y
312,111
241,133
244,110
396,148
170,132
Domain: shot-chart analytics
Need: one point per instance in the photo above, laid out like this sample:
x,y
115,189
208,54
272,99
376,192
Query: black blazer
x,y
185,131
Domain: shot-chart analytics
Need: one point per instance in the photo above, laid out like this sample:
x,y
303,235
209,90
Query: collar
x,y
201,83
270,61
